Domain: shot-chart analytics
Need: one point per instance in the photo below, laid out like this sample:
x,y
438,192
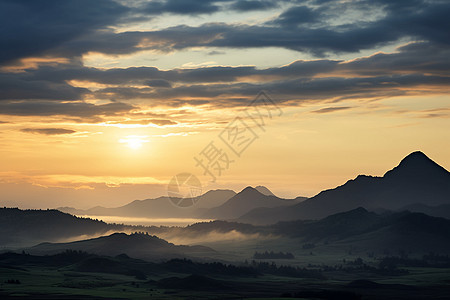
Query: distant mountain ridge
x,y
264,190
247,200
159,207
417,179
214,204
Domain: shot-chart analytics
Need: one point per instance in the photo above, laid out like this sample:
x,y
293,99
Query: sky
x,y
103,102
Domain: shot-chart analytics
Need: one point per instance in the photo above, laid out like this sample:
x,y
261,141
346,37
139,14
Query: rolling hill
x,y
414,232
358,228
442,211
138,245
19,228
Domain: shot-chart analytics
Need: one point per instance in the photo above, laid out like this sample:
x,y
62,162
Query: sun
x,y
134,141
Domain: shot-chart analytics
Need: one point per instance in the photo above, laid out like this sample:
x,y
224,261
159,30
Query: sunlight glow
x,y
134,141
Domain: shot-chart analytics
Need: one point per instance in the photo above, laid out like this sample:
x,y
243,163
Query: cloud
x,y
50,108
153,77
181,7
250,5
331,109
48,131
419,57
435,113
30,28
158,83
73,28
422,21
158,122
404,72
297,15
196,7
287,91
19,87
161,122
46,89
215,52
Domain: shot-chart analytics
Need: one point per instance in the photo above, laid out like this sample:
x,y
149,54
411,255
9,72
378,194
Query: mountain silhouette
x,y
417,179
368,231
27,227
417,166
442,211
415,232
245,201
264,190
158,208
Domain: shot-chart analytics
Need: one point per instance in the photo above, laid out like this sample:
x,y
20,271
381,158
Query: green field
x,y
40,281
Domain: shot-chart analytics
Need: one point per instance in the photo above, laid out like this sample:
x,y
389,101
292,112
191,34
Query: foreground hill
x,y
158,208
442,211
357,229
137,245
417,179
411,232
247,200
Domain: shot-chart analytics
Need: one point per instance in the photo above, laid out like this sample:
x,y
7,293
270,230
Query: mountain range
x,y
345,214
214,204
417,184
416,180
158,208
354,229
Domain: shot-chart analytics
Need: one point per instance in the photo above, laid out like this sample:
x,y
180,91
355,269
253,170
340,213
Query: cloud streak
x,y
326,110
48,131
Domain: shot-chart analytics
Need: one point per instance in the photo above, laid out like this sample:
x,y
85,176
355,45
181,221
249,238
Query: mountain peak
x,y
263,190
418,165
249,190
416,157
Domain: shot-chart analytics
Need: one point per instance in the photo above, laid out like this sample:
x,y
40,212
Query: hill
x,y
138,245
19,228
442,211
415,232
358,228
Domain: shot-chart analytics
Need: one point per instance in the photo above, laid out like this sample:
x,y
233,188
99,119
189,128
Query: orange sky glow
x,y
85,124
